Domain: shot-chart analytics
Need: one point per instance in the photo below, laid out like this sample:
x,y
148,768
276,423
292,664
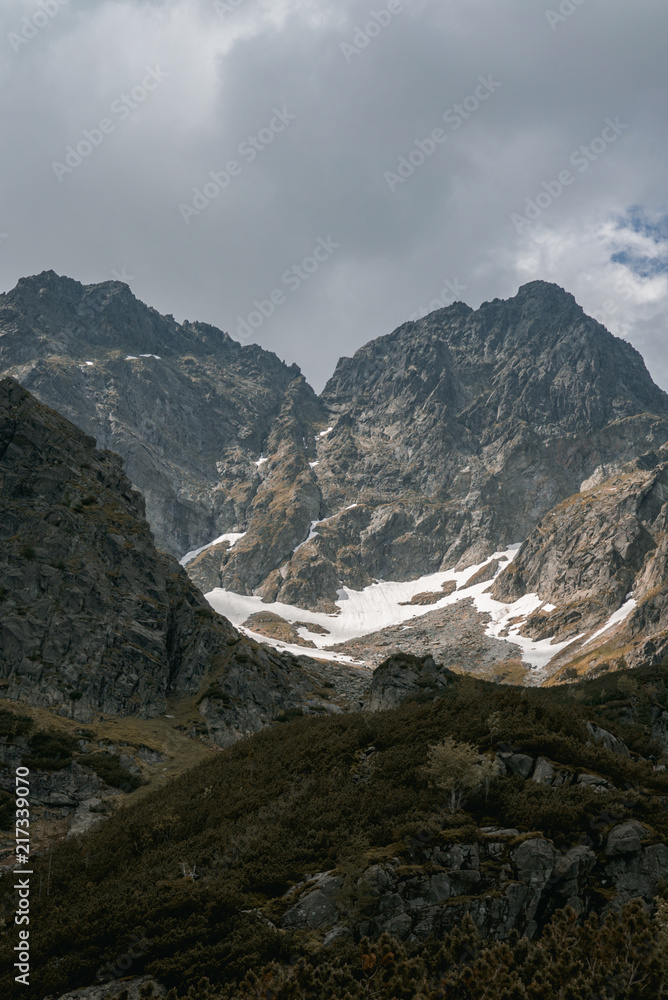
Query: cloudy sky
x,y
309,175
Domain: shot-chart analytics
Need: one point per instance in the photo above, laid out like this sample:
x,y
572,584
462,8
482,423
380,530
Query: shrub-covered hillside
x,y
306,855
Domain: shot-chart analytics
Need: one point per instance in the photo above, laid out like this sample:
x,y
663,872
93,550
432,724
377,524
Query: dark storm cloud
x,y
411,134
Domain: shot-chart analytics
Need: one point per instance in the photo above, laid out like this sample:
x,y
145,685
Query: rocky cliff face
x,y
600,559
188,408
433,447
94,618
450,439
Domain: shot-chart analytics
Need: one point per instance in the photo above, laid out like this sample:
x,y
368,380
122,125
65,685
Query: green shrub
x,y
50,751
289,714
108,767
215,691
12,724
262,814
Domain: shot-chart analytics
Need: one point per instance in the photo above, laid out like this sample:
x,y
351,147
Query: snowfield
x,y
380,605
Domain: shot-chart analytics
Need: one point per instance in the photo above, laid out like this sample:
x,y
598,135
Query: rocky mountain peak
x,y
431,448
181,402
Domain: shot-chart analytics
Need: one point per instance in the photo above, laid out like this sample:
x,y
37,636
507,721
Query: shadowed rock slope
x,y
93,617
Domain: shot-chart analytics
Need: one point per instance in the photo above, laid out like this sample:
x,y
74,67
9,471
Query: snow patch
x,y
287,647
619,616
323,434
313,464
312,534
360,612
261,460
232,537
510,618
386,603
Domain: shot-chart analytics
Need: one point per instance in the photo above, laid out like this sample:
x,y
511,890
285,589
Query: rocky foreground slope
x,y
299,853
93,618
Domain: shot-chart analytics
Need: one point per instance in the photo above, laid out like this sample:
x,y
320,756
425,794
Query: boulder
x,y
625,838
544,772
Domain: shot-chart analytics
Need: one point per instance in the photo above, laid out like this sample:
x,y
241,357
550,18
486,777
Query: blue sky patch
x,y
647,257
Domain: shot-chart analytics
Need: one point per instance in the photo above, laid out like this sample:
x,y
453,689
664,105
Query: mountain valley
x,y
320,691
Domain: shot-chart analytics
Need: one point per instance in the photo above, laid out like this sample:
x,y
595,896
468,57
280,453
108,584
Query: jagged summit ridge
x,y
179,402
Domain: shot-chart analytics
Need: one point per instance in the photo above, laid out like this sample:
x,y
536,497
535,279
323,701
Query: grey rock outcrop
x,y
608,740
588,557
138,988
188,408
504,885
625,838
402,676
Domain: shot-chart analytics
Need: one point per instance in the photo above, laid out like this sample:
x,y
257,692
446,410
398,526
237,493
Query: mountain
x,y
481,493
450,438
188,408
457,433
95,619
432,451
